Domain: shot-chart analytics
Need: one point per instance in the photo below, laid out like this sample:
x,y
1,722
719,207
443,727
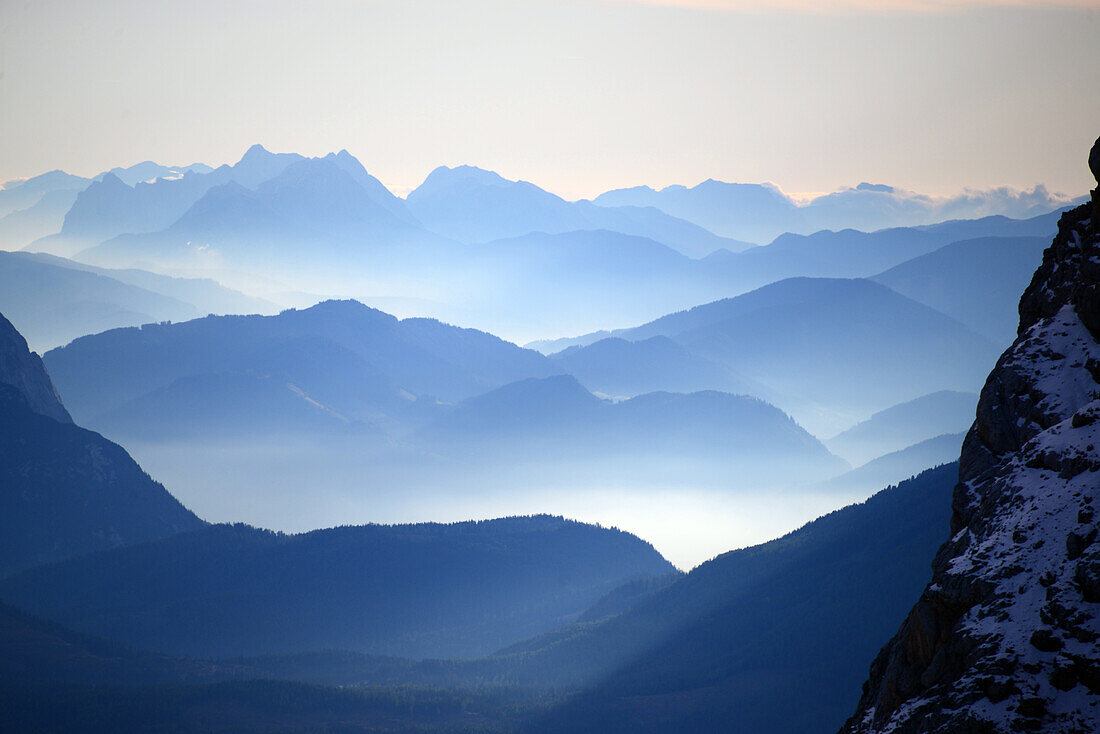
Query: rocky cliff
x,y
1005,638
66,491
22,369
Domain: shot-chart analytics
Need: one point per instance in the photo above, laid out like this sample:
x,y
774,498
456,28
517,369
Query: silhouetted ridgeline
x,y
472,205
818,345
53,300
538,263
65,491
761,212
415,590
357,362
771,638
977,282
709,435
903,425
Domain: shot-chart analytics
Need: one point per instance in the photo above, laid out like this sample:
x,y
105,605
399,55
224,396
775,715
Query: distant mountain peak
x,y
465,174
255,150
111,180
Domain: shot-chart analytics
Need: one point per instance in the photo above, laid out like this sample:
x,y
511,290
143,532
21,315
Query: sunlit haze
x,y
579,96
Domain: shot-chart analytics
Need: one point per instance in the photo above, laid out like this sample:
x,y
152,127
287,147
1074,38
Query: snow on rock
x,y
1005,638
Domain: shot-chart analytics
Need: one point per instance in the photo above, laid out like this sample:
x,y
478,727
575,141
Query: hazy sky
x,y
576,95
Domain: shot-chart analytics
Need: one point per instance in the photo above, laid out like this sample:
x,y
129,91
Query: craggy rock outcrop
x,y
23,369
1005,638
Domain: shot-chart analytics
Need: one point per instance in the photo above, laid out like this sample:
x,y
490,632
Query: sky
x,y
579,96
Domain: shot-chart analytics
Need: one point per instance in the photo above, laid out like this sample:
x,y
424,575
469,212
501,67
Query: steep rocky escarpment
x,y
1006,638
22,369
66,491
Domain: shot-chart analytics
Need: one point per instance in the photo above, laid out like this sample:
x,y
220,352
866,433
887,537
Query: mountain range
x,y
358,401
234,589
469,204
767,638
708,437
75,504
467,245
823,348
905,424
54,300
123,610
761,212
422,590
354,360
34,208
976,282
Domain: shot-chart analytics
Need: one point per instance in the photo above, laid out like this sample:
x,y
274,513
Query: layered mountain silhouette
x,y
469,204
467,246
309,214
207,295
35,208
768,638
620,368
555,421
851,253
41,219
903,425
762,639
977,282
761,212
897,465
829,346
112,206
415,590
150,171
23,194
53,304
65,490
540,283
338,358
54,300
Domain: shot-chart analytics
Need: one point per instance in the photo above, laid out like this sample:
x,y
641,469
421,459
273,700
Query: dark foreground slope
x,y
55,680
414,590
765,639
1005,638
65,491
35,652
258,707
769,638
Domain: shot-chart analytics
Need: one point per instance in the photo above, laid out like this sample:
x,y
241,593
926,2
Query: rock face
x,y
65,491
22,369
1005,638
